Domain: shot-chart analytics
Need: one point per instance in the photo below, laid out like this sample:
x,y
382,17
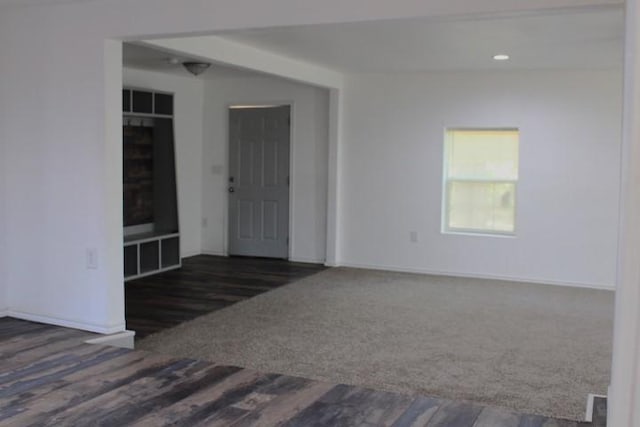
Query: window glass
x,y
481,174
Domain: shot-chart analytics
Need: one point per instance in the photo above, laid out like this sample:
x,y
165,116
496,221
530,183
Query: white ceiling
x,y
590,38
146,58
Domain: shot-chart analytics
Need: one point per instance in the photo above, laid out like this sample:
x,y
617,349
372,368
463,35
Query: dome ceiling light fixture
x,y
501,57
196,68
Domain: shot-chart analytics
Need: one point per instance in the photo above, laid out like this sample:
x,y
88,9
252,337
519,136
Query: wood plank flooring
x,y
49,378
203,284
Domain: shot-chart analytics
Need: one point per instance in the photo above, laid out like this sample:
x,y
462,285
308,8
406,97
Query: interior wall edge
x,y
534,280
623,408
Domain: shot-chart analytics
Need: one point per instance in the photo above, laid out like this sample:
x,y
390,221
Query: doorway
x,y
258,190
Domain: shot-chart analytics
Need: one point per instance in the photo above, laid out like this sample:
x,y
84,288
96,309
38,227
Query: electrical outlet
x,y
413,236
92,258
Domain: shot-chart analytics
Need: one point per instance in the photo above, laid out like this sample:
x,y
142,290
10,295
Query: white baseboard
x,y
121,339
214,253
307,260
589,415
74,324
477,276
190,254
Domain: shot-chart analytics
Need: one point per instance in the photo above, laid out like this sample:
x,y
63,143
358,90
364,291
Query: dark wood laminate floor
x,y
599,411
204,284
48,377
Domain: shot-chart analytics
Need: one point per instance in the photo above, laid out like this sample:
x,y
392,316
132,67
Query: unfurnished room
x,y
383,215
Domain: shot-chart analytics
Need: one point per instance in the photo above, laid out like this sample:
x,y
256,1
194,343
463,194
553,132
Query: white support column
x,y
111,259
333,183
624,396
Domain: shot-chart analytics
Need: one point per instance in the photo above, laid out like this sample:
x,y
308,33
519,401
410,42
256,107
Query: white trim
x,y
623,409
252,106
448,180
476,276
292,120
590,398
111,296
306,260
121,339
152,272
332,230
190,254
139,229
213,252
67,323
471,233
154,238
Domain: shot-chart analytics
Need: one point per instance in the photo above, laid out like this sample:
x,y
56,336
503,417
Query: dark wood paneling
x,y
204,284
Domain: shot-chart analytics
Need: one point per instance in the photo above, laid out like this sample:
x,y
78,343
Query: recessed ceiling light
x,y
501,57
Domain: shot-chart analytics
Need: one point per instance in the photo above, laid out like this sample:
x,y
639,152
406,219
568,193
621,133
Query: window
x,y
480,180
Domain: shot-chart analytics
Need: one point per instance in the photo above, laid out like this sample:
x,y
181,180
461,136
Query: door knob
x,y
231,190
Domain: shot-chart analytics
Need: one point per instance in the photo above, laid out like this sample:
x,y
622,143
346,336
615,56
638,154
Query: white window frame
x,y
446,186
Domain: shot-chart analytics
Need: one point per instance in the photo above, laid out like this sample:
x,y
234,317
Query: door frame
x,y
225,204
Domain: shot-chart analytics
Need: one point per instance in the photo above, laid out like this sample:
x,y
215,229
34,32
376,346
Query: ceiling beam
x,y
225,52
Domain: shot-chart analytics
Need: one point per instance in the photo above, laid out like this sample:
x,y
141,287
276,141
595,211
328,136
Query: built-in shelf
x,y
151,253
148,103
152,238
152,235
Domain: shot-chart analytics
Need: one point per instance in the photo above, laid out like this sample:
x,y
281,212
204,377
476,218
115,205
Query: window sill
x,y
479,234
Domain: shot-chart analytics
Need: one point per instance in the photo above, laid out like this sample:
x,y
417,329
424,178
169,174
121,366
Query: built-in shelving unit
x,y
146,254
151,234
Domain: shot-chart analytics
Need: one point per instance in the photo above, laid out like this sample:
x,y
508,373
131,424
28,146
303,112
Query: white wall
x,y
567,200
56,190
188,127
57,69
63,131
309,149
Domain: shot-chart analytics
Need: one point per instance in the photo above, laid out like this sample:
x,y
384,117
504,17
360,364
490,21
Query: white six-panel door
x,y
258,187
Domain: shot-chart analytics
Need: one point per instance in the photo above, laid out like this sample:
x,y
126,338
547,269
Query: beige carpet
x,y
534,348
